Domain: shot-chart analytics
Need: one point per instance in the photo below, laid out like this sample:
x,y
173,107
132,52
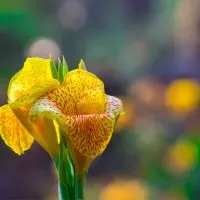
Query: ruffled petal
x,y
34,71
89,134
46,108
114,105
13,132
34,93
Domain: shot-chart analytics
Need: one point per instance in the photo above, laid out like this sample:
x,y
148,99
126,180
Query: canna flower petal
x,y
42,129
115,106
14,134
31,82
45,108
89,134
80,83
34,71
82,79
34,93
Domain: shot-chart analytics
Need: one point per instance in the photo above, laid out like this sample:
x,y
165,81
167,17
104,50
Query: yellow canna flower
x,y
31,82
84,112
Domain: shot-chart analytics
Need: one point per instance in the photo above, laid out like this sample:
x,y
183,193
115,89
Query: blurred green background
x,y
147,52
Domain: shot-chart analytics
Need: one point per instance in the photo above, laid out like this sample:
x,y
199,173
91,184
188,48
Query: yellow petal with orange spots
x,y
46,108
34,71
13,132
63,100
81,93
79,81
92,102
35,92
89,134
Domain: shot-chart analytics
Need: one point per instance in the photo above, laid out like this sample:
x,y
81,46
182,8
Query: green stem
x,y
62,192
79,187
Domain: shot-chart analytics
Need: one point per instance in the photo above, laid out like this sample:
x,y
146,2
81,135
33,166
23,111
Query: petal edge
x,y
13,132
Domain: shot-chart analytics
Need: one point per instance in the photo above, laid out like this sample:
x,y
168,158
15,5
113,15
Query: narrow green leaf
x,y
65,171
65,67
53,68
59,70
62,69
66,160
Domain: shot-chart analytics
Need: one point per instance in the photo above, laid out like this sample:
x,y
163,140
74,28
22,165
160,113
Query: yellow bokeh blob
x,y
182,156
125,190
182,96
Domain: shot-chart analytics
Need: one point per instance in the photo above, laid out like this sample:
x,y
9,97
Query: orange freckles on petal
x,y
92,102
63,100
89,134
78,82
81,162
80,93
114,105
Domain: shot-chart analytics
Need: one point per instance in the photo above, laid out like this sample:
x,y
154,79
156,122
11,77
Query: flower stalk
x,y
62,192
71,184
80,187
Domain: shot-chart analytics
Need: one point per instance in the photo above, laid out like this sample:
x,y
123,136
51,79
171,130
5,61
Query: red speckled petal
x,y
89,134
114,106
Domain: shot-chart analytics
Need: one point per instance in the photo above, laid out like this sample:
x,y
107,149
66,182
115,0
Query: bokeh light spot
x,y
182,96
72,15
43,47
125,190
182,156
